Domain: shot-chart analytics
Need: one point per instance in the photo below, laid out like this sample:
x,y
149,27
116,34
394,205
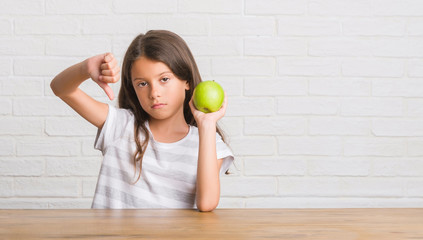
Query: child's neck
x,y
168,130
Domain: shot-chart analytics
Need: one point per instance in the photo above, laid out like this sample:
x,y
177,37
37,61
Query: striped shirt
x,y
169,170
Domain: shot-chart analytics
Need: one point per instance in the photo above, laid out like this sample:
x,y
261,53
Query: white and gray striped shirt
x,y
169,170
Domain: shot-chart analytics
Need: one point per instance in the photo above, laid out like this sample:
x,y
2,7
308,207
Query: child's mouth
x,y
158,105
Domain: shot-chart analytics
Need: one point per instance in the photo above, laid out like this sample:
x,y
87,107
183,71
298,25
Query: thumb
x,y
107,89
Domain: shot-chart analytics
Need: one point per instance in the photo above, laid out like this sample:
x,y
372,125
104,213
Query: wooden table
x,y
328,224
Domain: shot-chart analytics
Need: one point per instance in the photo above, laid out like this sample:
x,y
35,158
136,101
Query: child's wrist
x,y
207,125
84,69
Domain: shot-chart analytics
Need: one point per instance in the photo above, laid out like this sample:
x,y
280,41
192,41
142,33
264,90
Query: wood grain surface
x,y
336,224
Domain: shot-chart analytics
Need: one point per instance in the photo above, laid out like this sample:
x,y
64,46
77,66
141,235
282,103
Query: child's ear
x,y
186,85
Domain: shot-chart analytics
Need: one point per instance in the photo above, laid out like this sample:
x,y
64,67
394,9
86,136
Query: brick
x,y
340,8
339,87
414,187
58,7
204,65
338,126
382,107
308,67
248,187
21,46
373,27
340,47
6,186
226,202
398,8
372,68
120,45
397,88
274,166
256,107
59,167
69,127
22,7
21,167
415,147
22,86
254,146
414,27
7,147
268,46
21,126
233,86
23,203
37,66
5,67
70,203
257,66
308,26
5,27
88,187
182,25
5,106
48,147
386,147
113,25
311,187
215,46
80,46
323,146
216,6
336,187
244,26
275,86
41,107
46,187
338,166
398,47
415,68
397,127
292,202
307,105
88,148
275,7
274,126
332,202
145,6
415,107
47,25
232,126
403,167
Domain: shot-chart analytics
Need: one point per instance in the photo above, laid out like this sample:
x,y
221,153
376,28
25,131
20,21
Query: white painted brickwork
x,y
325,96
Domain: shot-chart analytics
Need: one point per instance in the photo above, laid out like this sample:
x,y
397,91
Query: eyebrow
x,y
157,75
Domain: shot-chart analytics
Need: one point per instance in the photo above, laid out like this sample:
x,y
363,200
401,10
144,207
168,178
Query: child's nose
x,y
155,92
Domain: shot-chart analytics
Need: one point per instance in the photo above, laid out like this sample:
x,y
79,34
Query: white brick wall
x,y
325,96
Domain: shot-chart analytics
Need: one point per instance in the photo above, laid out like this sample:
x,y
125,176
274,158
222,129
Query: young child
x,y
159,150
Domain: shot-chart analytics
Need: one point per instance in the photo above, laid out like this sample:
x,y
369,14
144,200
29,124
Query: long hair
x,y
170,49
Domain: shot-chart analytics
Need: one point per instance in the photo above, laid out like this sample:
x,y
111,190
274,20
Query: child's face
x,y
160,92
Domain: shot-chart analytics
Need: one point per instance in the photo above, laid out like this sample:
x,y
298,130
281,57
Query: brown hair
x,y
171,49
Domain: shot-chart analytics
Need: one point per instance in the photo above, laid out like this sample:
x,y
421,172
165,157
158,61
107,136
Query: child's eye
x,y
142,84
165,79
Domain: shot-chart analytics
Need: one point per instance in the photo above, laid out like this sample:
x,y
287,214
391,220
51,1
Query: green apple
x,y
208,96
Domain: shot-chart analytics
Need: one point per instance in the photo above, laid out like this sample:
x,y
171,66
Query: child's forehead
x,y
148,67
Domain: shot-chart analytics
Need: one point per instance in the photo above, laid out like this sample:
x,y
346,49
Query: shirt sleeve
x,y
113,128
223,152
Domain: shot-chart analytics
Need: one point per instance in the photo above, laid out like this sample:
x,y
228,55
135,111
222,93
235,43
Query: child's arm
x,y
208,169
102,69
